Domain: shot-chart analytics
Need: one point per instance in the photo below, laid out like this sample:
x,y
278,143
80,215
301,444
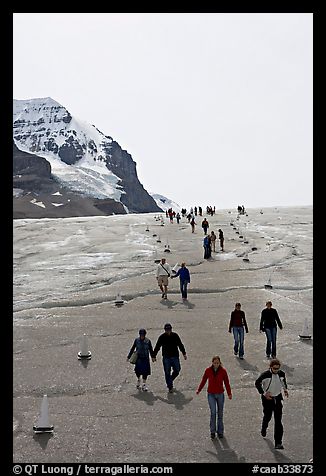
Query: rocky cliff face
x,y
31,173
82,159
38,195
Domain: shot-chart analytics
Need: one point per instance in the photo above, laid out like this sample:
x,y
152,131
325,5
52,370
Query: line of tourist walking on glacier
x,y
209,238
194,211
271,384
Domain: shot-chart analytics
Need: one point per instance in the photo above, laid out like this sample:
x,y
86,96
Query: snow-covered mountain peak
x,y
82,158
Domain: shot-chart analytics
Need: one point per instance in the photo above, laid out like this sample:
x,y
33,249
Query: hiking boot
x,y
241,358
171,390
212,436
163,294
263,432
279,446
220,435
235,353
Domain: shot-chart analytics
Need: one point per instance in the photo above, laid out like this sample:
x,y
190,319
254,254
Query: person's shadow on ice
x,y
188,304
224,454
246,366
168,303
177,399
279,455
147,397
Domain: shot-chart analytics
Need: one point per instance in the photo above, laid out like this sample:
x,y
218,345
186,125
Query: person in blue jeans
x,y
269,321
184,277
218,378
238,325
170,343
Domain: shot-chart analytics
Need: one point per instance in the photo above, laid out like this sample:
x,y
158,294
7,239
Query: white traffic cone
x,y
43,425
119,301
84,354
305,334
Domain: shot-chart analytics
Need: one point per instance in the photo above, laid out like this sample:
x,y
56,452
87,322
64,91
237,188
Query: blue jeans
x,y
271,341
183,288
216,405
238,334
171,363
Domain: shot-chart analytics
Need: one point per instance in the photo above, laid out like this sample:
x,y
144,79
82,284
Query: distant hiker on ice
x,y
207,247
213,239
192,224
163,272
205,225
221,238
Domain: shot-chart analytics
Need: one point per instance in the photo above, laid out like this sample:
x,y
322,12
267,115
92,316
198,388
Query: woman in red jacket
x,y
216,376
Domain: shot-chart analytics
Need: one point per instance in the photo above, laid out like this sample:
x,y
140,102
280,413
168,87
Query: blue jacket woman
x,y
144,348
184,277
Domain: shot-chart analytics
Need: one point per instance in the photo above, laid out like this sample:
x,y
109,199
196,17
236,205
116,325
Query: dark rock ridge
x,y
34,185
45,128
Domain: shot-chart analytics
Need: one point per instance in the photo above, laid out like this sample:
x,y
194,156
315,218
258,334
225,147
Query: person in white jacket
x,y
163,272
270,385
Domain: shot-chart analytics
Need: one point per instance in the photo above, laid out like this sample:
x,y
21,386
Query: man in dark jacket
x,y
270,385
205,225
268,323
170,343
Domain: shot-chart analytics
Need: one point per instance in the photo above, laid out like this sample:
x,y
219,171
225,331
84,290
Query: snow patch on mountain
x,y
165,203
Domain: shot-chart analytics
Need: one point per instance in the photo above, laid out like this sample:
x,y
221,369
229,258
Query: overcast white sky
x,y
215,108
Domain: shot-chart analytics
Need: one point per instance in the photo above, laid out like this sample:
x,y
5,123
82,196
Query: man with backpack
x,y
163,272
